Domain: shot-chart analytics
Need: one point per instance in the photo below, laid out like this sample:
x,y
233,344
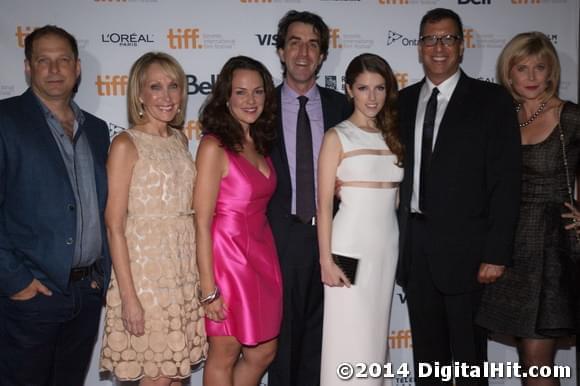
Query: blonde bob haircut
x,y
137,77
522,46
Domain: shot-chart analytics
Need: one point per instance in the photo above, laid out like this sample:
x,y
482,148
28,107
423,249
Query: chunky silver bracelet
x,y
215,294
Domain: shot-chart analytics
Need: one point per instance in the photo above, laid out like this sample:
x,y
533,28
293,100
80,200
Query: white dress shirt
x,y
446,89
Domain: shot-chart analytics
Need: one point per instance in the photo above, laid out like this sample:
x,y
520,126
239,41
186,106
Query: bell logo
x,y
255,1
110,1
402,79
192,130
335,38
400,2
400,339
526,2
21,33
112,85
480,2
198,86
468,37
187,38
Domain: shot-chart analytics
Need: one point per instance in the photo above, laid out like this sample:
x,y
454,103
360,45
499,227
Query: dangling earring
x,y
140,112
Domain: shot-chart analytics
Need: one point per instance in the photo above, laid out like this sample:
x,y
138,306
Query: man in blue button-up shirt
x,y
54,263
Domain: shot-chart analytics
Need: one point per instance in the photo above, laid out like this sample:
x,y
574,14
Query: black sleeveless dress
x,y
537,297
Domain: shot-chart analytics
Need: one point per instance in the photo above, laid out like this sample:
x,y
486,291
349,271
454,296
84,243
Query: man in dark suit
x,y
306,111
459,198
54,264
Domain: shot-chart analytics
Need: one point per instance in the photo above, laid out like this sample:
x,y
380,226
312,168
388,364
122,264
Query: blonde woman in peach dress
x,y
154,325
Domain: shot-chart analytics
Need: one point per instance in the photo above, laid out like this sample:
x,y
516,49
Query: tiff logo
x,y
402,80
112,85
21,33
400,339
394,2
468,38
184,38
335,38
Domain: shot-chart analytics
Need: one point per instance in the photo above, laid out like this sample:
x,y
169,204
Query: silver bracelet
x,y
215,294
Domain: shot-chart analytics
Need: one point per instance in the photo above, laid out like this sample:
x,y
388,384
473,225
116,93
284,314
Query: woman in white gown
x,y
365,154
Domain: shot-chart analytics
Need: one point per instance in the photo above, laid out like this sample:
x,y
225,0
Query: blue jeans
x,y
48,340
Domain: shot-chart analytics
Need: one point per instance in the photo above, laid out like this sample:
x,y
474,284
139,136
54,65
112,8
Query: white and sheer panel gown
x,y
356,319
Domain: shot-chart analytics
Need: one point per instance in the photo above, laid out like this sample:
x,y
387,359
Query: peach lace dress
x,y
161,242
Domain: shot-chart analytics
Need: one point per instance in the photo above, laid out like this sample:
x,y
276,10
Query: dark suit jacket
x,y
37,204
335,109
473,187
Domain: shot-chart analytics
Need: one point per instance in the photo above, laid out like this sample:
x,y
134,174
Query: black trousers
x,y
48,340
442,325
297,362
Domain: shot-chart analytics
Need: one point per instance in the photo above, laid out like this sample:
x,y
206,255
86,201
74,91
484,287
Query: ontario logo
x,y
394,37
114,129
126,39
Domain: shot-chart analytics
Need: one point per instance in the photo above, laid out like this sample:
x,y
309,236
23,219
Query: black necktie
x,y
427,146
305,205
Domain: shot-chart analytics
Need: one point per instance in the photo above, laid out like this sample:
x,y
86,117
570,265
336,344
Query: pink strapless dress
x,y
245,262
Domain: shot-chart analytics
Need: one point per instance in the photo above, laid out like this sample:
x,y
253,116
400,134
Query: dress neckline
x,y
552,132
170,133
257,168
351,123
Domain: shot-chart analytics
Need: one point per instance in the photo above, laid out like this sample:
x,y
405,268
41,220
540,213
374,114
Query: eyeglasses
x,y
432,40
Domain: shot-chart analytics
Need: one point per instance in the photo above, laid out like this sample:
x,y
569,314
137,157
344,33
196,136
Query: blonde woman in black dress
x,y
535,300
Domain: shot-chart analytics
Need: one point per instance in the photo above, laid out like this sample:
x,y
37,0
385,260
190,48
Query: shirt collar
x,y
79,116
446,87
288,94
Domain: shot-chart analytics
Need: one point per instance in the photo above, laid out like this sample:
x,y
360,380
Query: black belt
x,y
79,273
417,216
310,221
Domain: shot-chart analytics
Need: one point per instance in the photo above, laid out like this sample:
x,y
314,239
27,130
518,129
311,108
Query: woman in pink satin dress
x,y
241,286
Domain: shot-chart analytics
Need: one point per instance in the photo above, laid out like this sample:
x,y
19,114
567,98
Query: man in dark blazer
x,y
459,199
302,45
54,264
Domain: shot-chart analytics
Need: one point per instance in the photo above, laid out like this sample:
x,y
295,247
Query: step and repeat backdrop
x,y
203,34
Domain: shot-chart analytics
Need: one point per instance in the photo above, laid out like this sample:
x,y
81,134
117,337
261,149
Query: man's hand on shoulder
x,y
488,273
31,291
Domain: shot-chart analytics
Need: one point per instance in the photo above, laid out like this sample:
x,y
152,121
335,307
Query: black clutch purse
x,y
348,265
